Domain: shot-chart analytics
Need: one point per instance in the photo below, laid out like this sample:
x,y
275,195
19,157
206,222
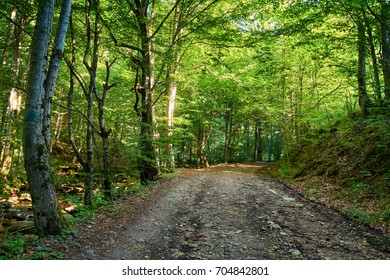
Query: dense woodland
x,y
98,94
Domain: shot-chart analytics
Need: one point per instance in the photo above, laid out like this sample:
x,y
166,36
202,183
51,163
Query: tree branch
x,y
107,86
76,74
78,111
15,23
164,20
326,95
136,94
375,15
114,39
202,11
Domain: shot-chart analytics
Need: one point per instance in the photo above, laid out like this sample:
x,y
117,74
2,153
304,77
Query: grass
x,y
364,215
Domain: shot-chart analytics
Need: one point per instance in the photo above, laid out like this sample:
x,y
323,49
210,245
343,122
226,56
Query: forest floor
x,y
222,212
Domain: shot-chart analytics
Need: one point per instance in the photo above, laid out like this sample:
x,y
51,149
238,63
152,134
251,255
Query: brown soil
x,y
223,212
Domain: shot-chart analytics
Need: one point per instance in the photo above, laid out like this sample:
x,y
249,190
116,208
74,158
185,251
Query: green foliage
x,y
3,188
46,255
140,190
15,248
363,215
286,171
12,247
170,174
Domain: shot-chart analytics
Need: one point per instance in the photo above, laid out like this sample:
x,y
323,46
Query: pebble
x,y
288,199
39,249
273,191
273,225
295,252
90,252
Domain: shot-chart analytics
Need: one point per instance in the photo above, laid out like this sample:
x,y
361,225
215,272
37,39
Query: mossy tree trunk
x,y
147,163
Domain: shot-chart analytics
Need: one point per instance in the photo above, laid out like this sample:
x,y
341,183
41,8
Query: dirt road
x,y
224,212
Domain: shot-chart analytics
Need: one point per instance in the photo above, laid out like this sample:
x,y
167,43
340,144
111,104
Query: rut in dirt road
x,y
229,213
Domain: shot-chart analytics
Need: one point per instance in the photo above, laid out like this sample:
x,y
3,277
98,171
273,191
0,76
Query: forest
x,y
102,98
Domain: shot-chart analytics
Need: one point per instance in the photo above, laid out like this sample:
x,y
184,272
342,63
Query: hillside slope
x,y
348,168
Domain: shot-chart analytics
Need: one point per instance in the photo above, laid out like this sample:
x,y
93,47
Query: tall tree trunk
x,y
57,130
228,134
385,42
234,130
47,213
258,153
9,35
13,99
377,83
202,161
147,161
170,109
278,147
71,65
247,141
143,11
90,61
88,184
361,76
54,67
171,89
104,132
270,140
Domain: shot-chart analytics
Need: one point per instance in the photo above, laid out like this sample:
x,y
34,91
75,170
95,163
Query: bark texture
x,y
47,214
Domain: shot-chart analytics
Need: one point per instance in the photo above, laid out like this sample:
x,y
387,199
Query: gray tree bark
x,y
54,67
47,213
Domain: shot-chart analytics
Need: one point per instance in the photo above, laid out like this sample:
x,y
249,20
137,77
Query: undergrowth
x,y
348,167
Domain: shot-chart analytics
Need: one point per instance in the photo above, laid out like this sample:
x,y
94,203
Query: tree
x,y
171,83
10,118
142,56
92,93
361,76
187,22
385,44
36,130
